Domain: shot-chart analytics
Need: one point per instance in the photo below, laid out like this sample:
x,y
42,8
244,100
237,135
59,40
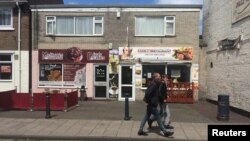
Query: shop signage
x,y
5,69
157,53
73,55
241,9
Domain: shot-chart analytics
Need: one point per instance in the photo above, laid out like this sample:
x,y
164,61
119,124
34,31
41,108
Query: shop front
x,y
141,63
70,69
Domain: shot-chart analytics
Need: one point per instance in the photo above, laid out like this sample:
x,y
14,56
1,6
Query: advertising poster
x,y
5,69
195,74
113,61
74,75
138,75
50,75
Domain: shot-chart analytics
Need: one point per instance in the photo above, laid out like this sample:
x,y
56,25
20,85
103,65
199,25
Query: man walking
x,y
164,109
153,91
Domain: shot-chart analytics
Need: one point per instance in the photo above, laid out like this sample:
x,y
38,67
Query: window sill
x,y
1,80
7,28
50,35
155,35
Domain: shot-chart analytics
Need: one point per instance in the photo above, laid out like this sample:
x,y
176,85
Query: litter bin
x,y
223,107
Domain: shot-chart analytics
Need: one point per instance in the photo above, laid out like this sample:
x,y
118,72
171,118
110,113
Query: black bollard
x,y
47,100
82,93
126,107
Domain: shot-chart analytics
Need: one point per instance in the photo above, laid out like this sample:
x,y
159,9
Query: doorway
x,y
126,82
100,81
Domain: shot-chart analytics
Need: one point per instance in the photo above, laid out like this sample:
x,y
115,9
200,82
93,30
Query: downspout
x,y
19,44
30,51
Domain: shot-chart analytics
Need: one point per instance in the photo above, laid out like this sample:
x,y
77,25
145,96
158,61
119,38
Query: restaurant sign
x,y
73,55
241,9
157,53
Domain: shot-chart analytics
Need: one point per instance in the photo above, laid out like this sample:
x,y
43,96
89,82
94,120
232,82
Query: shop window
x,y
6,67
179,73
147,73
74,25
6,19
62,75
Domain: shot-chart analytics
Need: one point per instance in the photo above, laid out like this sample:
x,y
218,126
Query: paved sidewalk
x,y
103,120
12,128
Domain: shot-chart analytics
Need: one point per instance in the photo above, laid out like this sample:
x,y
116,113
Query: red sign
x,y
5,69
73,55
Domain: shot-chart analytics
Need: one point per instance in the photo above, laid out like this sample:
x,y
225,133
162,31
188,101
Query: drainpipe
x,y
19,44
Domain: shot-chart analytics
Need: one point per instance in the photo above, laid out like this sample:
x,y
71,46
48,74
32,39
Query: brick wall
x,y
230,71
9,38
115,32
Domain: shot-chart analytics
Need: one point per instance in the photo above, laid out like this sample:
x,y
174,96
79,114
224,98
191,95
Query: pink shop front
x,y
65,70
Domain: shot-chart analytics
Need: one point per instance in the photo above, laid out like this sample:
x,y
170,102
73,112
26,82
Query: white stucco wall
x,y
18,73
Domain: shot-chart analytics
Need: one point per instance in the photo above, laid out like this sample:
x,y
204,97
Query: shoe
x,y
150,121
141,133
167,134
169,127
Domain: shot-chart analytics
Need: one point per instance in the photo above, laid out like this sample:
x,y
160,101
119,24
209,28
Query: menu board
x,y
101,73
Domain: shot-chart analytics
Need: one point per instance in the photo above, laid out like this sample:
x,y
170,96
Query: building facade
x,y
113,50
14,45
227,35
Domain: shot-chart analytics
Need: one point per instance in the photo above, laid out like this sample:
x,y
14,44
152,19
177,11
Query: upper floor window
x,y
6,19
5,66
155,26
74,25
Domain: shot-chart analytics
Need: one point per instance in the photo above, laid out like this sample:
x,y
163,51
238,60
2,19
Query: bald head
x,y
157,77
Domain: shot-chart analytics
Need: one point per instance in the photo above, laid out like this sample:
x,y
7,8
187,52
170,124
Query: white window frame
x,y
165,23
55,32
8,27
8,62
53,24
95,22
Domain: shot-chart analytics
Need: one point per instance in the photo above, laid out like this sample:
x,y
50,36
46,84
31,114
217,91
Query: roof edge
x,y
199,6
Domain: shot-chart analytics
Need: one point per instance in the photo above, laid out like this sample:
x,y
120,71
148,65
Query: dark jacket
x,y
153,90
163,92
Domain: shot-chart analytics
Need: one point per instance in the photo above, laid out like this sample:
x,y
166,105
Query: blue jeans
x,y
164,113
154,111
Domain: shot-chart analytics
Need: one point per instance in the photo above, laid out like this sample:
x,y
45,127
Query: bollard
x,y
126,107
82,93
47,100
